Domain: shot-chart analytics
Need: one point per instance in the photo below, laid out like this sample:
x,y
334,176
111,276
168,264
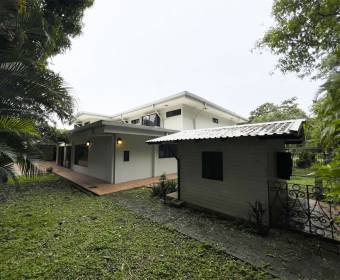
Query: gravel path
x,y
284,254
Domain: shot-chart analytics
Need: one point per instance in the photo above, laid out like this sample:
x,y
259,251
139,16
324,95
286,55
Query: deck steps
x,y
172,199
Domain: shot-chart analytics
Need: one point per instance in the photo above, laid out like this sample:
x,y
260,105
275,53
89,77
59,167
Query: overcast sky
x,y
133,52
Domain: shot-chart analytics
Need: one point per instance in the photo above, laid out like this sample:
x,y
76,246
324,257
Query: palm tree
x,y
15,134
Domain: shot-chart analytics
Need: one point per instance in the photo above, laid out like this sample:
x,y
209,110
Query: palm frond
x,y
7,152
27,167
18,126
6,173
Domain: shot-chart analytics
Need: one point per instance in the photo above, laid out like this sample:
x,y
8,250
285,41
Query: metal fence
x,y
303,208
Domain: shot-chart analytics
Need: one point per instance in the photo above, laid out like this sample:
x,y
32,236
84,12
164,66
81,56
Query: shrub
x,y
164,187
306,159
256,216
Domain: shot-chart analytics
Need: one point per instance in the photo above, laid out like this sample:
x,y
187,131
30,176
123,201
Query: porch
x,y
94,185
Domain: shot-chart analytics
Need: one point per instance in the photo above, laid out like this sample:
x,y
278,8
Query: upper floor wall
x,y
179,112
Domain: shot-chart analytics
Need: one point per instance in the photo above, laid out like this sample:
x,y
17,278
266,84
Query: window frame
x,y
82,162
126,156
173,113
215,120
169,151
135,121
146,120
212,165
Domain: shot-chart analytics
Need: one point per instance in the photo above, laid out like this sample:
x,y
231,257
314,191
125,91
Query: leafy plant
x,y
163,187
14,149
306,38
257,216
266,112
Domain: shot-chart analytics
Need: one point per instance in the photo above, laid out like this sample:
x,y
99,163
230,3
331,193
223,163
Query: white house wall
x,y
247,165
101,157
164,165
140,164
197,118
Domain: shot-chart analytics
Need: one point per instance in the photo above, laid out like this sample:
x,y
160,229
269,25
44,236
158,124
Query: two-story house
x,y
114,148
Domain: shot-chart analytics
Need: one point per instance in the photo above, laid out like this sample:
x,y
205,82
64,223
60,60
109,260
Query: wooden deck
x,y
94,185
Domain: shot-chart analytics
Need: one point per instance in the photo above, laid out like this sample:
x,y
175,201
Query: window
x,y
173,113
215,120
167,151
212,165
135,121
151,120
284,165
126,155
81,155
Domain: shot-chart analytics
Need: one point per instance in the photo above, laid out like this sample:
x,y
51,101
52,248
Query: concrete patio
x,y
94,185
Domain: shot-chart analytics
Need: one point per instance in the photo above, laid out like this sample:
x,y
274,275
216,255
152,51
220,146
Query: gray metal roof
x,y
277,128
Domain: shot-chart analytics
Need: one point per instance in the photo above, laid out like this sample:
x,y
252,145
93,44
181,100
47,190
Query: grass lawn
x,y
302,176
50,230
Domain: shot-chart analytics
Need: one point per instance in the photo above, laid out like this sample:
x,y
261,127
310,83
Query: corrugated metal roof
x,y
288,127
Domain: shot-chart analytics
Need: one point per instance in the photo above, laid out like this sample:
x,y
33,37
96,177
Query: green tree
x,y
306,37
306,34
32,31
288,109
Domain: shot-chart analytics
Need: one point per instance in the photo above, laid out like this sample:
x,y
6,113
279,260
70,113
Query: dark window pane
x,y
284,165
126,155
81,155
215,120
151,120
212,165
136,121
173,113
167,151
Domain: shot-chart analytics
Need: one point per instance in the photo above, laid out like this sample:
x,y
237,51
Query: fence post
x,y
308,211
331,221
287,205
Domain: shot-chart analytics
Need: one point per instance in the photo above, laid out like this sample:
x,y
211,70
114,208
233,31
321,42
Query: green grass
x,y
302,176
49,230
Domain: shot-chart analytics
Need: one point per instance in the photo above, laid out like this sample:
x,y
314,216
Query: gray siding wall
x,y
100,160
247,165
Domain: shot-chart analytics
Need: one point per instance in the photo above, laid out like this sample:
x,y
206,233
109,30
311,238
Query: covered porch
x,y
117,152
94,185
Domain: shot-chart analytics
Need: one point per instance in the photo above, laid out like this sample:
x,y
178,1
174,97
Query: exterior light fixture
x,y
119,141
88,143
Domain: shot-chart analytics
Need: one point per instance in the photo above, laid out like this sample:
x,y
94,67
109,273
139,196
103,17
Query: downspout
x,y
200,111
113,159
178,178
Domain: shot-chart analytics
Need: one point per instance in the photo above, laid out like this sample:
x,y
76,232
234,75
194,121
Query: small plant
x,y
164,187
257,215
155,189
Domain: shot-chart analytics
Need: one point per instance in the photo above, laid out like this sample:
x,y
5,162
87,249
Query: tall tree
x,y
288,109
305,34
31,31
306,37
